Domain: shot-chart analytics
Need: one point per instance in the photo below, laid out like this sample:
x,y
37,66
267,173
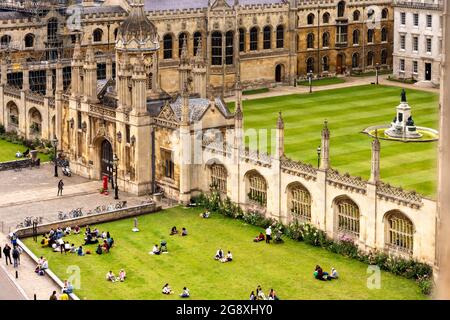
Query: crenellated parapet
x,y
254,156
346,182
396,194
299,169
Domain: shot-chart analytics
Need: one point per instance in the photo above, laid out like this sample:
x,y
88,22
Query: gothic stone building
x,y
155,105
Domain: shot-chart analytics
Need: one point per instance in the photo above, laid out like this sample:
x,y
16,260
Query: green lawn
x,y
285,267
8,151
322,82
255,91
349,111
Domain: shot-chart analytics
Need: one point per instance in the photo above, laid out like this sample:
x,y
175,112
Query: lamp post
x,y
55,145
319,151
377,68
310,81
116,164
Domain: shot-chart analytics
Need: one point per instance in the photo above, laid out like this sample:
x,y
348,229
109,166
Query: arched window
x,y
267,37
216,48
370,36
355,60
383,34
115,33
310,65
197,40
384,56
254,39
347,217
13,114
35,119
310,18
257,189
52,30
356,15
399,232
219,178
341,9
310,41
97,35
29,40
241,40
229,50
326,18
299,203
150,81
370,58
5,40
325,40
181,38
384,13
325,64
168,46
356,36
280,37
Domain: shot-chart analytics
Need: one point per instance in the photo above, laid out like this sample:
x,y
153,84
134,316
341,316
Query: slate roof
x,y
154,5
197,107
103,9
11,15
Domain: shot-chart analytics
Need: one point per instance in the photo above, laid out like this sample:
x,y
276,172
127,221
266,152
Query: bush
x,y
2,129
425,284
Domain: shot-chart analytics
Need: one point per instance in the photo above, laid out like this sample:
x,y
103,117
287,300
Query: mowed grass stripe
x,y
349,111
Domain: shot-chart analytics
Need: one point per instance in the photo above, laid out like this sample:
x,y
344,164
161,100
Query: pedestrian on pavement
x,y
16,257
7,253
60,187
53,296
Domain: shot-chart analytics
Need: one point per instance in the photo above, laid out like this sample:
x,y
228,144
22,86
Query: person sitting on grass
x,y
205,215
105,246
80,251
110,277
110,242
44,241
228,258
319,274
67,247
219,255
334,274
185,293
260,237
104,235
76,230
184,232
99,249
173,231
68,230
64,296
163,246
155,250
260,294
73,249
272,295
166,289
252,296
122,275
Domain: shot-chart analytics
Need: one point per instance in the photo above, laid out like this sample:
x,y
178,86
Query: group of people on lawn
x,y
220,256
319,274
121,277
261,296
167,290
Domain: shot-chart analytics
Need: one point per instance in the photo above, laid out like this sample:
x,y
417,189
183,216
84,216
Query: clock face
x,y
148,61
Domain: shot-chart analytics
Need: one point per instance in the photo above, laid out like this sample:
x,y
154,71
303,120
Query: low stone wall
x,y
92,219
16,164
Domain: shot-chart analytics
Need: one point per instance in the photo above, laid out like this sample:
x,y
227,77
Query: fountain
x,y
402,127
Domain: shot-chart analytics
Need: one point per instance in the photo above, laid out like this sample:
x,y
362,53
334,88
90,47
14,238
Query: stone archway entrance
x,y
106,159
279,73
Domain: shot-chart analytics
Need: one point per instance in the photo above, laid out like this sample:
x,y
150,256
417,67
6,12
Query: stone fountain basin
x,y
427,134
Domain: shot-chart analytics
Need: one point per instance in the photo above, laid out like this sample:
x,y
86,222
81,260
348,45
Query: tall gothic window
x,y
347,217
310,18
355,60
216,48
168,46
325,64
310,65
356,36
254,39
181,38
356,15
97,35
280,37
52,30
341,9
150,81
219,178
229,50
326,18
325,39
267,39
310,41
5,40
300,203
400,232
257,189
370,36
197,40
383,34
29,40
384,56
241,40
370,58
168,164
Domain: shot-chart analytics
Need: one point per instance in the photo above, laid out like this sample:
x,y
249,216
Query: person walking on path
x,y
16,256
60,187
268,234
7,253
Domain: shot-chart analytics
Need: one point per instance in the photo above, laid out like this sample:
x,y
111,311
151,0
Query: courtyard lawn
x,y
285,267
322,82
8,151
349,111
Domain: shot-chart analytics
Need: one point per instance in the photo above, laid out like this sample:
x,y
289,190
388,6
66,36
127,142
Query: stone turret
x,y
90,74
199,72
375,169
325,147
185,68
280,137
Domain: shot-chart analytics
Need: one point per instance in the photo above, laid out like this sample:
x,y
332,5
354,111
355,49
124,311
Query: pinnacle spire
x,y
184,59
280,121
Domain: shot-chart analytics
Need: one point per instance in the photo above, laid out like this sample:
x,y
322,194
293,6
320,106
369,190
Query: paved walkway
x,y
349,82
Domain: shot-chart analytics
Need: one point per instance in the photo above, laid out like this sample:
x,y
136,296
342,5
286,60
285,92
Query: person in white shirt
x,y
122,275
334,274
228,258
185,293
44,264
155,250
219,255
110,276
104,235
166,289
268,234
68,230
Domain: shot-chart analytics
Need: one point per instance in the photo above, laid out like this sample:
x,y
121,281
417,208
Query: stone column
x,y
275,183
325,147
26,77
375,169
185,152
49,83
109,74
443,241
